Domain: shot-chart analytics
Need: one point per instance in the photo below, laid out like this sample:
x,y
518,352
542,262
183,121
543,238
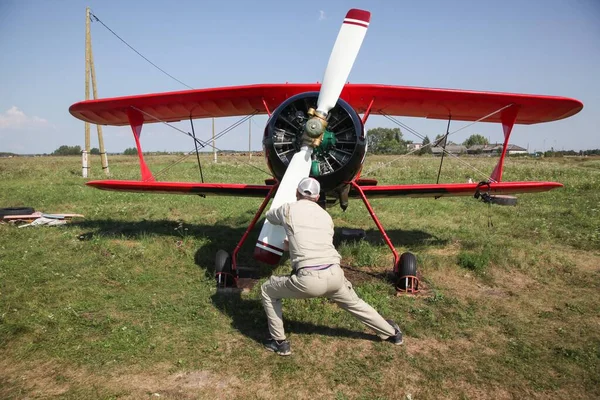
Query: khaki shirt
x,y
309,229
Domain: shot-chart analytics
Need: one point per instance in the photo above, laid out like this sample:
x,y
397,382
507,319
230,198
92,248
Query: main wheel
x,y
223,270
407,268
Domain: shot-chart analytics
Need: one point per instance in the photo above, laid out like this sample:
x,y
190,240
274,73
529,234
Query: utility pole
x,y
84,154
103,156
90,71
213,145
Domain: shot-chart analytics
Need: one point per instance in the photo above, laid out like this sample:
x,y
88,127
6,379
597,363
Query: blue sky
x,y
537,46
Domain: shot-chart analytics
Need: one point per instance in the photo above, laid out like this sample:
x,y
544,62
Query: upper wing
x,y
392,100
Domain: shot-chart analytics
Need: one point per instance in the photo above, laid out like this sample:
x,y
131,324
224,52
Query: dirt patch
x,y
418,347
38,380
179,385
51,379
367,274
474,392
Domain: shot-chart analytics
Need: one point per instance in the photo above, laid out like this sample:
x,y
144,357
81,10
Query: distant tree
x,y
593,152
476,139
65,150
386,141
130,151
426,148
95,151
552,153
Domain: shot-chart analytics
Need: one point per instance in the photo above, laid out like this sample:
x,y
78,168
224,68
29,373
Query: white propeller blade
x,y
270,244
342,58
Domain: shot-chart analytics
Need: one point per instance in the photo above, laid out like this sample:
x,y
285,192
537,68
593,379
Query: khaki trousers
x,y
329,283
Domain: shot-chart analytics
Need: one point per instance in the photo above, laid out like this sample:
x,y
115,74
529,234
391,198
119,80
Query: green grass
x,y
123,304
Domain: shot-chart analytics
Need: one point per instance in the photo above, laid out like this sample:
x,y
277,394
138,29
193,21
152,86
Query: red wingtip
x,y
360,15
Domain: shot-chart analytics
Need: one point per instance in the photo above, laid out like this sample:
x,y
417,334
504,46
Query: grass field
x,y
123,304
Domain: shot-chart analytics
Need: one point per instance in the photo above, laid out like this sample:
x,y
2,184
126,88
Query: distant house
x,y
514,149
496,148
451,148
413,146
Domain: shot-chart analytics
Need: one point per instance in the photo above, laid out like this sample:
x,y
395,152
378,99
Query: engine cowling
x,y
336,160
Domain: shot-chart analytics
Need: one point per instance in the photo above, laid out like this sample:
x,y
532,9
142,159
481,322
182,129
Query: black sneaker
x,y
281,347
397,338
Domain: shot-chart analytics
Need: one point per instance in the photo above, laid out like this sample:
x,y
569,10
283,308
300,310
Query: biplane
x,y
318,130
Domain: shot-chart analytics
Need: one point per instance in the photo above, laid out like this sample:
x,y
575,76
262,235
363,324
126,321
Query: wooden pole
x,y
213,137
84,154
103,156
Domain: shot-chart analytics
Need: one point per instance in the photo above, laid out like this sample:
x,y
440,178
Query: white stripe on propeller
x,y
342,57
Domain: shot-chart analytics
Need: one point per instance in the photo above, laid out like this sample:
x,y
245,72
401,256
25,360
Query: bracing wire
x,y
137,52
414,132
200,141
196,140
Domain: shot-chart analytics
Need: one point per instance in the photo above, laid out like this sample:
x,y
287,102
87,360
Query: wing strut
x,y
509,116
367,112
445,139
136,120
196,144
266,107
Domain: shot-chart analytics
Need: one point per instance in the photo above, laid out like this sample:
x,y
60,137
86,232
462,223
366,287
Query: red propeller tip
x,y
360,15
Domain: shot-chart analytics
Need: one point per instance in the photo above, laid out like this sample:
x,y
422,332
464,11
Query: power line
x,y
138,53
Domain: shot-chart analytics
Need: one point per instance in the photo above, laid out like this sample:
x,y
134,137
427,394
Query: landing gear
x,y
405,266
406,274
224,273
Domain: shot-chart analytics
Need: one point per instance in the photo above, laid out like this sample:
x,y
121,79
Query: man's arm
x,y
277,215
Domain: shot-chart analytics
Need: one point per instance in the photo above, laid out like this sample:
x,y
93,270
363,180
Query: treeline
x,y
562,153
380,141
65,150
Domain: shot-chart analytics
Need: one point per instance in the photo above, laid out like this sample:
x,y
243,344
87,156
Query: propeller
x,y
269,246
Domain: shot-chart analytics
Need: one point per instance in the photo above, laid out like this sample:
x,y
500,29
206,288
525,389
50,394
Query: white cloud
x,y
321,15
16,119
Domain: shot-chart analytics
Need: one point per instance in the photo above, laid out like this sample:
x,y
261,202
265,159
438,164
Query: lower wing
x,y
369,188
453,189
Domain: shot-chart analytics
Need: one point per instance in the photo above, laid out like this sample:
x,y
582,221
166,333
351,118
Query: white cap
x,y
309,187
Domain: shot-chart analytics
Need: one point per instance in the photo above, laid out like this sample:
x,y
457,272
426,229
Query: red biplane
x,y
318,130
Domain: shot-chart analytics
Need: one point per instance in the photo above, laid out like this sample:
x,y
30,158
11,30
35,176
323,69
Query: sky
x,y
549,47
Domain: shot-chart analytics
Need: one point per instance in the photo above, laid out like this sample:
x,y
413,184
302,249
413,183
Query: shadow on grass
x,y
413,239
248,317
228,235
222,236
216,236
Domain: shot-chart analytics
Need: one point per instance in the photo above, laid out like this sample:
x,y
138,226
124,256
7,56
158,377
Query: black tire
x,y
16,211
223,271
407,266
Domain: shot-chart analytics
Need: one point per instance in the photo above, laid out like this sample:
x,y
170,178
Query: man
x,y
316,269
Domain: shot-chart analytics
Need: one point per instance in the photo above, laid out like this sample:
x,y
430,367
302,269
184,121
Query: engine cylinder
x,y
339,156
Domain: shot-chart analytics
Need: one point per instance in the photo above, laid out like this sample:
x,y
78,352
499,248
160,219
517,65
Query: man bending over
x,y
316,270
